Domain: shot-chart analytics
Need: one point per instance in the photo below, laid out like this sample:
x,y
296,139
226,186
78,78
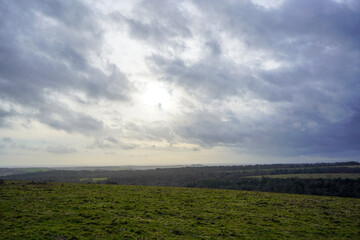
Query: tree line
x,y
224,177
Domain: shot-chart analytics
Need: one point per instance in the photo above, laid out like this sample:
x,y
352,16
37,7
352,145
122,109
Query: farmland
x,y
329,179
316,175
96,211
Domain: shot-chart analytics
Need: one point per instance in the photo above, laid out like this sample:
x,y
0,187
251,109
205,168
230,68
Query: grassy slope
x,y
91,211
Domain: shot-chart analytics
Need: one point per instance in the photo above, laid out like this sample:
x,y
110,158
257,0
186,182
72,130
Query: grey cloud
x,y
298,22
60,117
72,13
284,135
211,129
111,143
46,47
112,140
158,21
215,78
313,51
7,139
25,147
60,149
4,114
315,92
155,131
128,146
214,47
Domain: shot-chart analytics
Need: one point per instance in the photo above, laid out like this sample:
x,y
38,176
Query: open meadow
x,y
30,210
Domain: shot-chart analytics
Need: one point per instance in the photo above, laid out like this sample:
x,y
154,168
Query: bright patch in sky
x,y
156,95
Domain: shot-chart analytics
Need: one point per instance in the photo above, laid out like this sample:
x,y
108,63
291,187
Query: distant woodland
x,y
251,177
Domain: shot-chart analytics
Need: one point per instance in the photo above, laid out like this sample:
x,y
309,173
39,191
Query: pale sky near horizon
x,y
164,82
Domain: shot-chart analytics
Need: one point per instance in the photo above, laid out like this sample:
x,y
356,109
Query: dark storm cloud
x,y
46,47
314,90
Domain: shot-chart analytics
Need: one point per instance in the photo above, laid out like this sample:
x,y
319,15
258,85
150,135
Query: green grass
x,y
93,211
314,175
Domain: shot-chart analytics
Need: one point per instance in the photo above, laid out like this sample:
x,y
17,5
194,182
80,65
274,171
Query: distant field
x,y
93,211
93,179
354,166
292,168
315,175
12,171
33,170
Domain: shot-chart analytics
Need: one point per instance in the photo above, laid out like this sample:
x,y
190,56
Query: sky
x,y
164,82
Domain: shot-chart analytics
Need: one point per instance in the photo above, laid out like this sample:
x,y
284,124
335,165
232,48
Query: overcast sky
x,y
179,82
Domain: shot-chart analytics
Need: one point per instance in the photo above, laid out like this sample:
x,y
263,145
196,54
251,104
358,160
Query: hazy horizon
x,y
145,167
162,82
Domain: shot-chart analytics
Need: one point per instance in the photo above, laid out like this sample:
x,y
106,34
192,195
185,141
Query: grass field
x,y
314,175
93,211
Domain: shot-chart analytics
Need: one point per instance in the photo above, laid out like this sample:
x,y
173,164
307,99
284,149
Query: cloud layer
x,y
281,79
